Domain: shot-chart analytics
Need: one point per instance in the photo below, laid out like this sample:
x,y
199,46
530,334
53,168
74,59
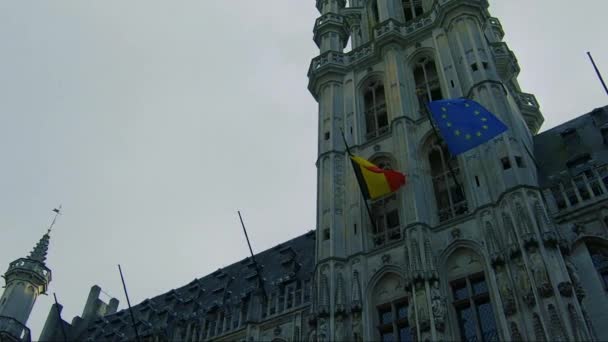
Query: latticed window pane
x,y
388,337
460,291
402,311
405,334
376,117
486,318
467,324
449,196
479,286
386,315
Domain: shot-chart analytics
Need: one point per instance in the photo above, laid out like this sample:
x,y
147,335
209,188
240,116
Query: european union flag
x,y
465,124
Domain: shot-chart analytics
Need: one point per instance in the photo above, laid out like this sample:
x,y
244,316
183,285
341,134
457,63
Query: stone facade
x,y
508,241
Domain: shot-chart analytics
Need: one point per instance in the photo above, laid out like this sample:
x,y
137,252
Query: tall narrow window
x,y
427,81
376,118
599,256
393,321
375,16
412,9
386,213
473,309
449,196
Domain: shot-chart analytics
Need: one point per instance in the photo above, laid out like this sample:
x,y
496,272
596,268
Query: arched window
x,y
449,196
412,9
374,104
427,81
599,256
386,213
470,297
391,316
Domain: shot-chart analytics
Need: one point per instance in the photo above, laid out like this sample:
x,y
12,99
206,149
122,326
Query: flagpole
x,y
369,212
128,303
428,114
65,338
597,71
257,267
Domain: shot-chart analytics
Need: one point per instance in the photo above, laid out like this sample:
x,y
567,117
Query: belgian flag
x,y
374,181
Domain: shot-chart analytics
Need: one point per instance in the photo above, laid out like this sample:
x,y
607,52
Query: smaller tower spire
x,y
42,247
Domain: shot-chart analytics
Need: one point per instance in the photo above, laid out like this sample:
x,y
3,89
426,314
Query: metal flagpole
x,y
65,338
369,212
257,267
428,114
128,303
597,71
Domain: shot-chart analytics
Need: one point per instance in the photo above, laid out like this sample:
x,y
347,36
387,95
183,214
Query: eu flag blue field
x,y
464,124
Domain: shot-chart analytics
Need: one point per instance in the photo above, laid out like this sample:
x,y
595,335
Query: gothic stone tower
x,y
480,261
26,279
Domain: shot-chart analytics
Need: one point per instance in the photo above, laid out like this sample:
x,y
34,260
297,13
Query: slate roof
x,y
225,287
577,142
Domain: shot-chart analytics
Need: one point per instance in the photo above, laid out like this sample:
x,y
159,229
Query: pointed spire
x,y
42,247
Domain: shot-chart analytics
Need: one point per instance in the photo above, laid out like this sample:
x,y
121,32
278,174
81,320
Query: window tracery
x,y
449,196
374,106
412,9
385,212
427,83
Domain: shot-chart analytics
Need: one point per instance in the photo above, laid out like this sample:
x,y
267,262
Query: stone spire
x,y
41,249
26,279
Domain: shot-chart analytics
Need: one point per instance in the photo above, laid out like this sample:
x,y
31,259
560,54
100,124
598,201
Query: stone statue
x,y
576,281
504,287
422,311
438,306
523,282
312,336
357,334
322,332
540,273
339,329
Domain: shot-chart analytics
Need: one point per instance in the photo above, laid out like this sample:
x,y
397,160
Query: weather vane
x,y
57,212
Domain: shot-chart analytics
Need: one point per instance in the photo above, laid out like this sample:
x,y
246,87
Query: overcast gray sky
x,y
153,121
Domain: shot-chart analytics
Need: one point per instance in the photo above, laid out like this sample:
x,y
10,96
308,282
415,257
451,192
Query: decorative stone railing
x,y
28,265
329,18
14,329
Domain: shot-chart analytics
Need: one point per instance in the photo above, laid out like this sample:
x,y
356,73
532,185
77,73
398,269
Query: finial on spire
x,y
57,212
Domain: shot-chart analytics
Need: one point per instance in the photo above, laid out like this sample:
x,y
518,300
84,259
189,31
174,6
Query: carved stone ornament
x,y
506,294
340,308
438,306
422,310
523,282
576,281
406,264
324,297
539,332
277,331
339,331
578,329
578,228
525,226
322,332
386,258
357,328
558,332
541,278
355,304
565,288
455,233
515,334
418,274
431,270
511,237
493,244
